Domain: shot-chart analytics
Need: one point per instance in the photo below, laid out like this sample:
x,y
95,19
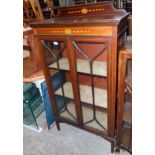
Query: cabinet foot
x,y
112,147
117,150
58,126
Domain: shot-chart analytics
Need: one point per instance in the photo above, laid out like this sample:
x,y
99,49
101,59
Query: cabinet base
x,y
96,132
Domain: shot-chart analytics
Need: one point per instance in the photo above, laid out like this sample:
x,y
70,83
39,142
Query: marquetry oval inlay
x,y
67,31
84,11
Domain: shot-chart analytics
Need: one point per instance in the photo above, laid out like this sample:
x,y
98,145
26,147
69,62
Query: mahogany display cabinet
x,y
83,41
124,104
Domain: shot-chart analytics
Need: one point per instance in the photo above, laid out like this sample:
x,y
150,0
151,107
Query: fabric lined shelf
x,y
99,68
85,94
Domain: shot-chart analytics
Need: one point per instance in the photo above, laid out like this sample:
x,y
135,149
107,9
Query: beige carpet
x,y
68,141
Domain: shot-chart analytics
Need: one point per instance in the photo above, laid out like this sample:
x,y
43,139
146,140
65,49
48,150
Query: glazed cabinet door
x,y
92,62
83,94
56,62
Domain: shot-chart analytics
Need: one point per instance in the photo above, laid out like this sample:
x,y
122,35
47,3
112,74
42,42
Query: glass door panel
x,y
91,66
57,61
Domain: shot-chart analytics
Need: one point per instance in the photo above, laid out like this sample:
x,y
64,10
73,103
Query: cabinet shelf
x,y
85,94
99,68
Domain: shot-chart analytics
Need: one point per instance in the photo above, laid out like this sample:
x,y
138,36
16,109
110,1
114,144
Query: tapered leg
x,y
112,147
58,126
117,149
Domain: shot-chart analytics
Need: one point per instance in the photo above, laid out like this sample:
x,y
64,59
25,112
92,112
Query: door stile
x,y
112,84
74,79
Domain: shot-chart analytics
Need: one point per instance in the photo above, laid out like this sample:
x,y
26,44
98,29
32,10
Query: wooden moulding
x,y
99,68
86,94
76,31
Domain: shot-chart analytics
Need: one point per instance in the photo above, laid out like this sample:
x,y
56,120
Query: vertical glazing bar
x,y
93,93
74,79
62,85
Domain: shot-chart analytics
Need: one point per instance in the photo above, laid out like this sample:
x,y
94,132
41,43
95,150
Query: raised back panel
x,y
87,9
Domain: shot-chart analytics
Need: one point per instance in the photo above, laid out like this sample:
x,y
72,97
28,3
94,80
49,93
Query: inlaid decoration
x,y
85,10
67,31
76,31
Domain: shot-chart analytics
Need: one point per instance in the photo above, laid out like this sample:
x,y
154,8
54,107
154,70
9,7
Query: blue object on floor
x,y
59,99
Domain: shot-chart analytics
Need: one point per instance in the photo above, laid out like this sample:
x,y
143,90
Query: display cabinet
x,y
83,42
124,104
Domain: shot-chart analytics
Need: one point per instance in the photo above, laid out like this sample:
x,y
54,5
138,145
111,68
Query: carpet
x,y
68,141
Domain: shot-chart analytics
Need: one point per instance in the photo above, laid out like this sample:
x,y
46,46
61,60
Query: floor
x,y
68,141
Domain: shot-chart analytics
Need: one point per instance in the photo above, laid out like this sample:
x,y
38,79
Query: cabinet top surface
x,y
102,14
